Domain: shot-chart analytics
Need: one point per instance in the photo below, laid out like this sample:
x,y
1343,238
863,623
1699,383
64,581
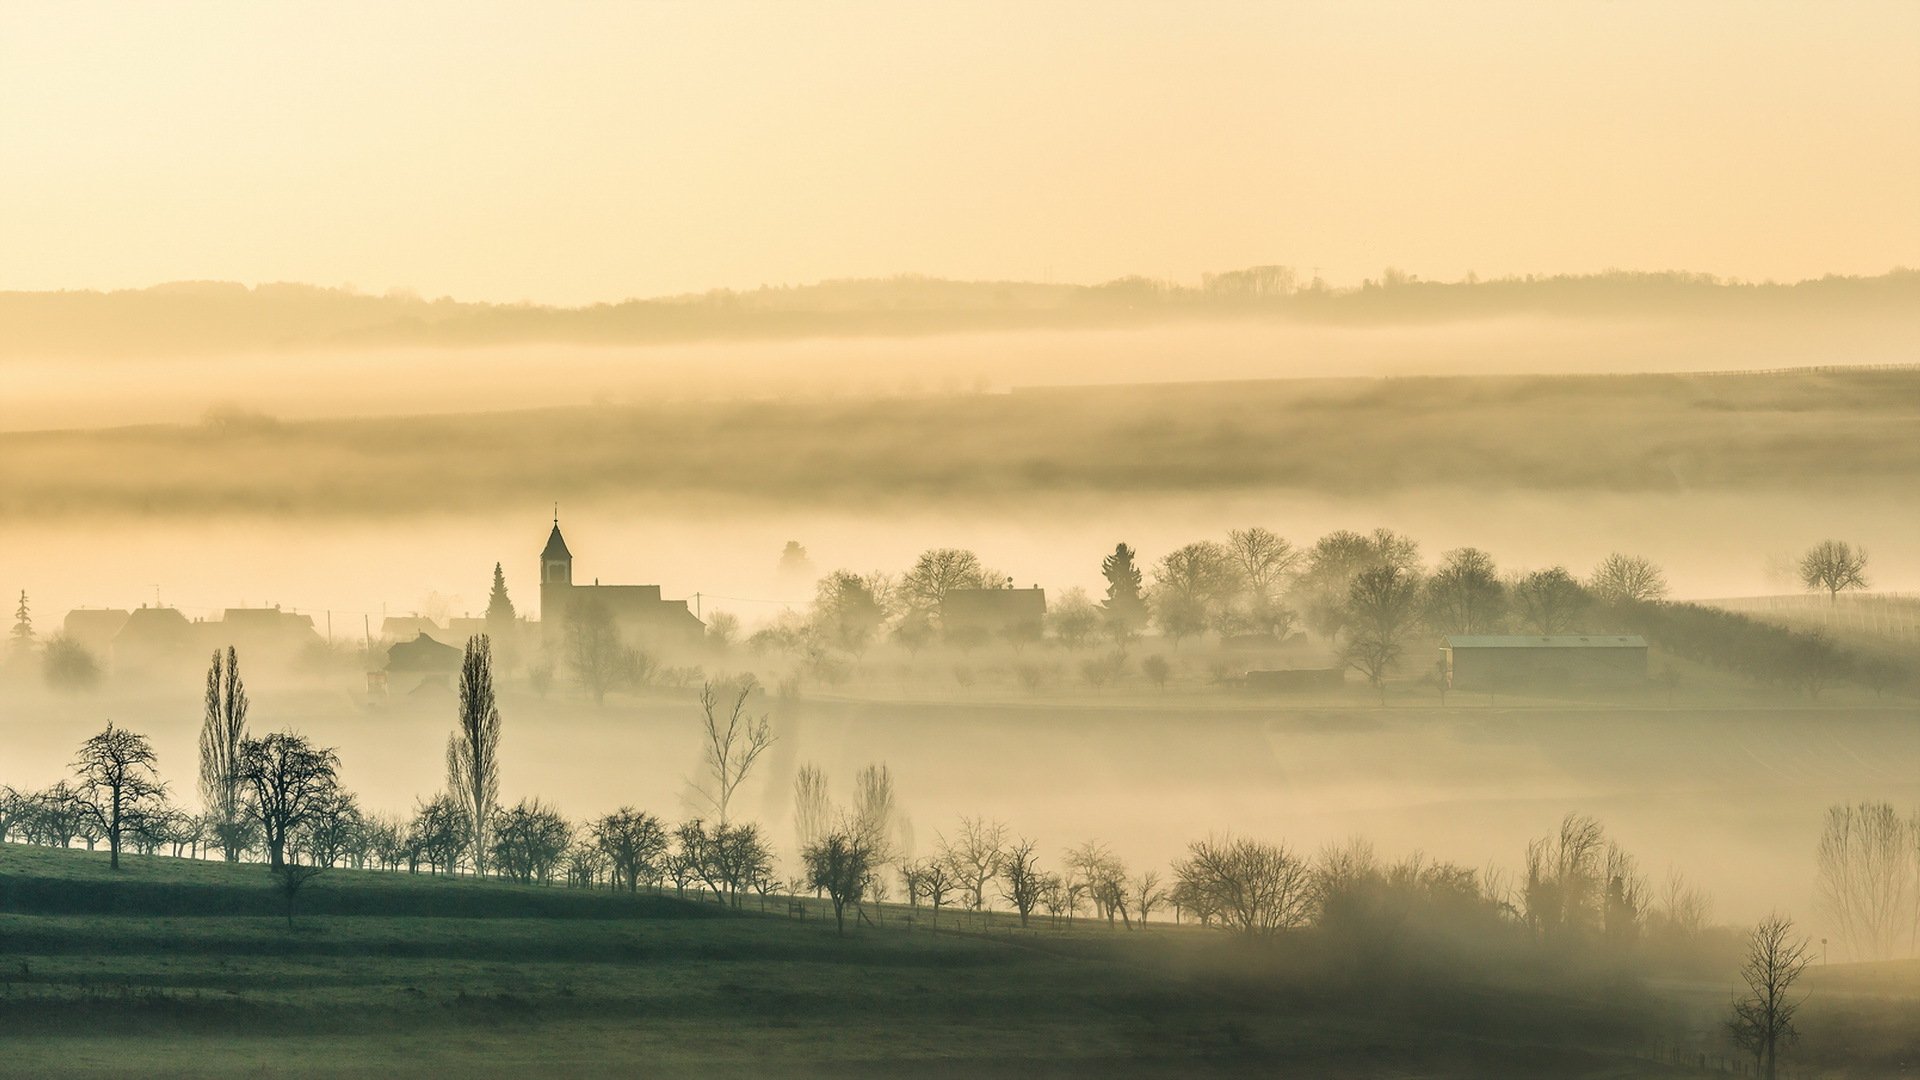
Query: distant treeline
x,y
199,317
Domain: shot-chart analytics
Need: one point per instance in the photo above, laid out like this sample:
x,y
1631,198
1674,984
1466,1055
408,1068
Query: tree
x,y
940,571
1549,601
1022,883
529,840
1147,895
290,782
118,788
812,809
1380,608
438,834
500,613
1255,889
1190,586
473,750
223,730
594,650
1762,1020
1333,562
20,638
841,866
68,666
634,844
849,609
731,745
1100,876
1464,595
1865,876
875,813
1126,610
1264,560
1627,579
1157,670
1073,618
1834,566
974,856
290,879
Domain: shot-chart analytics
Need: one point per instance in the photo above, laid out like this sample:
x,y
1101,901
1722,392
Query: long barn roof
x,y
1544,641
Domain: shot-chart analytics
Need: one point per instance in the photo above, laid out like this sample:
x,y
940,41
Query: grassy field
x,y
175,968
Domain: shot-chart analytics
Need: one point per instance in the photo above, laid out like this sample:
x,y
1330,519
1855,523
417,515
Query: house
x,y
263,633
972,616
420,664
639,613
156,637
1502,661
95,628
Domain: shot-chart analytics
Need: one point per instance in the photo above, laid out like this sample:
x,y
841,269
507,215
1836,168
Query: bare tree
x,y
1022,883
841,866
1762,1020
875,813
974,856
1381,603
222,732
634,845
1254,888
292,878
1627,579
1190,585
731,743
1834,567
1464,595
1147,895
118,788
940,571
1866,876
290,781
1549,601
473,750
812,809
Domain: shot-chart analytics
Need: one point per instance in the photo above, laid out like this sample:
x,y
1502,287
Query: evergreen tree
x,y
499,608
1126,611
21,639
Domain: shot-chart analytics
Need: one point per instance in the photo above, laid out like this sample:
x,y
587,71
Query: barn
x,y
1501,661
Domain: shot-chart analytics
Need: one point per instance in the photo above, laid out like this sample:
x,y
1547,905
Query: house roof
x,y
556,545
1544,641
423,654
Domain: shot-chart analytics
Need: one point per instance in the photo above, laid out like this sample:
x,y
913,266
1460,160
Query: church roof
x,y
556,545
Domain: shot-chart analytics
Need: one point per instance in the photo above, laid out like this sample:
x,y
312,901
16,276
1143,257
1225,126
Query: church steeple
x,y
556,562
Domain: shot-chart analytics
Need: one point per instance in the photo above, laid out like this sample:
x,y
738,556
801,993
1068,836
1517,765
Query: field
x,y
179,968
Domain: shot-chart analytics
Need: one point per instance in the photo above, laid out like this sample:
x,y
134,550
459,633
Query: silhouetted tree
x,y
1464,595
529,840
1381,604
973,856
634,844
1834,567
840,866
940,571
1627,579
290,781
731,743
223,730
849,609
1022,883
1073,618
1125,608
20,638
812,808
118,789
1762,1022
1253,888
438,834
473,750
1549,601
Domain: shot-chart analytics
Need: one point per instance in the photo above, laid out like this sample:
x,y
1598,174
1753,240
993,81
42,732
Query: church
x,y
642,617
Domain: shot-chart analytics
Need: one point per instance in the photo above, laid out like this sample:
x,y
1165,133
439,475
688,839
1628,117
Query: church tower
x,y
556,579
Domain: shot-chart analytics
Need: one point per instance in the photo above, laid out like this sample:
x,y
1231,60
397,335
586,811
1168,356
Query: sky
x,y
588,152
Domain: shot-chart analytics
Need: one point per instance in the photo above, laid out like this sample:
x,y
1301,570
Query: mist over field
x,y
960,540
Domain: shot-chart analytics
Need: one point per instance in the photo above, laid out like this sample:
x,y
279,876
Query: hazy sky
x,y
584,152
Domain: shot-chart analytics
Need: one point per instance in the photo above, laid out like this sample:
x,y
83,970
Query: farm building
x,y
1499,661
975,616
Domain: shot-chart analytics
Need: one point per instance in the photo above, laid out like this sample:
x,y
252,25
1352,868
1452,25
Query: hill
x,y
375,982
